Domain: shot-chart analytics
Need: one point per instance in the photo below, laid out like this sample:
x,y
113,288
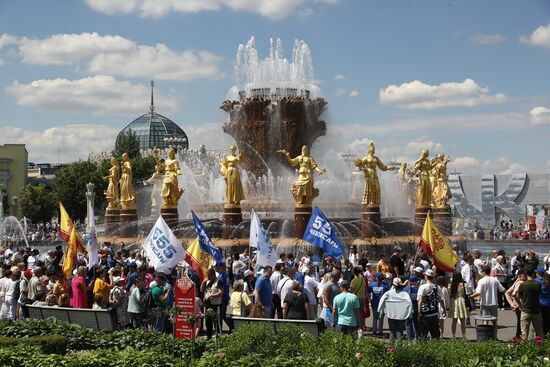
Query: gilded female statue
x,y
423,188
111,194
171,192
371,194
302,189
127,197
229,170
441,191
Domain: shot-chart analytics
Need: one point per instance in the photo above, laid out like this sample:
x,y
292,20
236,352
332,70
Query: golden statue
x,y
127,197
302,189
441,191
111,194
171,192
423,188
228,169
371,194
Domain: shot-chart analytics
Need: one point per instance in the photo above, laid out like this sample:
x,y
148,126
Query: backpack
x,y
146,303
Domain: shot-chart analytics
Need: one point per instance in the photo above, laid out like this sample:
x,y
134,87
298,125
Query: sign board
x,y
184,300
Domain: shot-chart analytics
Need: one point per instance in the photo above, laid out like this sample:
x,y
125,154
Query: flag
x,y
93,256
65,225
266,255
435,244
69,262
199,260
205,241
162,247
319,232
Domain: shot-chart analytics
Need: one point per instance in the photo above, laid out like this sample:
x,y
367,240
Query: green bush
x,y
51,344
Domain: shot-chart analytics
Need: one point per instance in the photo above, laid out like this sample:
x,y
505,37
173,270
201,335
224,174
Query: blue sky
x,y
467,78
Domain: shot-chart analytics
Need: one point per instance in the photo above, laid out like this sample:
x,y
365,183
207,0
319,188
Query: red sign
x,y
184,300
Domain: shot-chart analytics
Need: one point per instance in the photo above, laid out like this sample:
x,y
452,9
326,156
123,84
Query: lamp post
x,y
90,196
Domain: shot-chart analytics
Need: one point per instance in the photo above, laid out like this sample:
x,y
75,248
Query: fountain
x,y
276,107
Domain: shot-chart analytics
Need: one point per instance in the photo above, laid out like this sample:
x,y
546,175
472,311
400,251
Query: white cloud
x,y
271,9
339,77
418,95
416,147
540,37
503,166
160,62
7,40
100,94
70,142
540,115
115,55
488,39
353,93
209,134
464,163
304,13
341,91
68,49
2,62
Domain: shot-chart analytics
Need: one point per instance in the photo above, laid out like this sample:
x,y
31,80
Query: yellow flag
x,y
438,247
199,259
65,228
70,255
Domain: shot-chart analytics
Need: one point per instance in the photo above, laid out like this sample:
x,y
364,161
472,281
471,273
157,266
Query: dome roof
x,y
151,129
154,130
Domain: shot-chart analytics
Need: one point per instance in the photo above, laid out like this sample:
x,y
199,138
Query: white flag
x,y
162,247
266,255
93,256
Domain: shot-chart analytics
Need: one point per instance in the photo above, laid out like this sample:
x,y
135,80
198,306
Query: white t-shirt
x,y
310,284
430,295
274,279
31,262
285,286
488,287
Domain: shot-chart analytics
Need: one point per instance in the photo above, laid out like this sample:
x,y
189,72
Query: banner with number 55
x,y
320,233
162,247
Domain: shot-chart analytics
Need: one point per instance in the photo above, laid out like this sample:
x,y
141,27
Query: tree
x,y
70,186
38,203
126,143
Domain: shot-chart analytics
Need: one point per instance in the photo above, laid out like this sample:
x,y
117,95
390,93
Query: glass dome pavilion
x,y
154,130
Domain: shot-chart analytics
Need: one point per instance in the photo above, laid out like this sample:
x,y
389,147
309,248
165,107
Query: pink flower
x,y
358,355
221,354
538,340
390,350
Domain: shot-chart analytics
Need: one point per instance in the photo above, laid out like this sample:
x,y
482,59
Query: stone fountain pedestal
x,y
232,216
112,219
128,222
370,218
170,216
420,215
301,219
443,219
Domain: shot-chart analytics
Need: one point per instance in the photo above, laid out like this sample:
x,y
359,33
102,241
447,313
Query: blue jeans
x,y
159,320
413,327
377,321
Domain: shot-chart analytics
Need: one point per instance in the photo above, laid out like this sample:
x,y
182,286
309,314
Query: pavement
x,y
506,326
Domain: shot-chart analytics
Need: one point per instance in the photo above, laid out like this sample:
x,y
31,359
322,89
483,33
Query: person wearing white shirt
x,y
468,273
285,284
478,263
311,286
487,289
275,279
353,256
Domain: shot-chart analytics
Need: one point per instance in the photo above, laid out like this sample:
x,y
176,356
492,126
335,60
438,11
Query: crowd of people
x,y
406,289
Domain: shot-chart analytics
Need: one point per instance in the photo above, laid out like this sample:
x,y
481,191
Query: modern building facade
x,y
490,198
13,173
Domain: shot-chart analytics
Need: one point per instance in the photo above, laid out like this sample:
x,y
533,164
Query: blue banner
x,y
205,241
319,232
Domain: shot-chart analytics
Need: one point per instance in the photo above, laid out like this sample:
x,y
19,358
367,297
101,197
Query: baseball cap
x,y
413,278
27,272
379,275
397,282
419,269
429,273
540,271
117,280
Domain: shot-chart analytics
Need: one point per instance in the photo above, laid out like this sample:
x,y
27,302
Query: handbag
x,y
467,299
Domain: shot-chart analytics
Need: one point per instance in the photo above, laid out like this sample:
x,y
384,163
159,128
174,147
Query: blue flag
x,y
319,232
205,242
